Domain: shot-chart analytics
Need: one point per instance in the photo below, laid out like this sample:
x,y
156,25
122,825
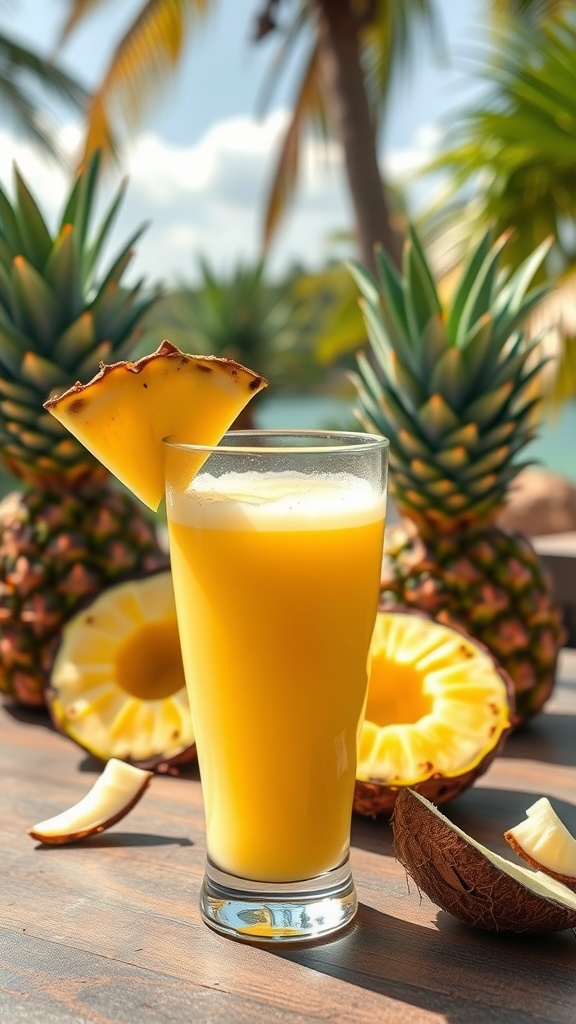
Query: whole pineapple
x,y
456,391
69,531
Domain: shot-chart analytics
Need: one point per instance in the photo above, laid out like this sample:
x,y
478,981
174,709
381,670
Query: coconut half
x,y
116,791
543,840
470,882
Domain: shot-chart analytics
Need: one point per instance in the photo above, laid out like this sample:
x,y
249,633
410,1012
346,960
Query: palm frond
x,y
28,120
308,110
23,75
19,62
26,117
390,40
143,60
516,153
299,23
517,149
78,9
99,136
530,13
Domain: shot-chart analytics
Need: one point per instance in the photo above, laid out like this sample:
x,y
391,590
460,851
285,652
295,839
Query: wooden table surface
x,y
109,931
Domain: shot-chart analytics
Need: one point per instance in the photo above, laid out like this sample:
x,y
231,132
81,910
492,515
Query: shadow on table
x,y
465,975
483,812
28,716
372,834
549,738
184,771
88,763
125,839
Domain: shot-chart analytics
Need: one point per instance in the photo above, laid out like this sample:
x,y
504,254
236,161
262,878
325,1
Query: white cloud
x,y
207,199
409,160
43,176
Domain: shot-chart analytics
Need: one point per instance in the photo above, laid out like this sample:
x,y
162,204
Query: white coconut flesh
x,y
544,839
534,880
112,796
474,884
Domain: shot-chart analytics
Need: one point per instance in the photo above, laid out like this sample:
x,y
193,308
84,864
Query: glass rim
x,y
359,442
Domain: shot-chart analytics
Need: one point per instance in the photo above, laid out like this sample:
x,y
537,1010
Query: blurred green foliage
x,y
270,326
511,158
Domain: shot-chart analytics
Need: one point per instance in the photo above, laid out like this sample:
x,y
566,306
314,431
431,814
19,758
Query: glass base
x,y
264,912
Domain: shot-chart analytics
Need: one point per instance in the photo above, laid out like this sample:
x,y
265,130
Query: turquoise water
x,y
555,448
313,412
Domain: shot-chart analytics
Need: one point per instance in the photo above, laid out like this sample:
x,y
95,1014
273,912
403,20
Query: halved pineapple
x,y
437,712
117,685
125,411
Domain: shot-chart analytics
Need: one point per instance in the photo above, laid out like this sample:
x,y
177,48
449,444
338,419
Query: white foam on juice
x,y
276,501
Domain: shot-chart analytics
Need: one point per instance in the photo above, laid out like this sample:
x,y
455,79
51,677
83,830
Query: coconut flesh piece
x,y
543,840
115,792
472,883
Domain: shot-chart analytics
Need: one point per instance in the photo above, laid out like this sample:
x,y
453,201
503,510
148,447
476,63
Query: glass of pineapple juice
x,y
276,548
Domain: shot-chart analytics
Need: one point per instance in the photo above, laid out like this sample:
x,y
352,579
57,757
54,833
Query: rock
x,y
540,502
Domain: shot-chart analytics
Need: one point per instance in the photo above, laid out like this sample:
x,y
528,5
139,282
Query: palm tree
x,y
515,152
25,75
484,154
511,161
353,50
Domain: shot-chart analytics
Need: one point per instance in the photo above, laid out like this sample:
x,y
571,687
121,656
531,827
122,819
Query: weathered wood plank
x,y
42,982
108,931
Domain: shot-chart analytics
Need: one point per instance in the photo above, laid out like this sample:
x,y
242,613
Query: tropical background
x,y
267,142
369,202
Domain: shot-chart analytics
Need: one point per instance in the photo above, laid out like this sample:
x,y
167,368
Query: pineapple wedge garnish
x,y
125,411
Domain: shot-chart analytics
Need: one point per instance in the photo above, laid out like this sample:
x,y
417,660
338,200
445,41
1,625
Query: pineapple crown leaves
x,y
454,386
60,312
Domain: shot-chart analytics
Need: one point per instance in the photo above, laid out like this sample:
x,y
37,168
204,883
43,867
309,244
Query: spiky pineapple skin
x,y
456,384
68,533
58,548
491,583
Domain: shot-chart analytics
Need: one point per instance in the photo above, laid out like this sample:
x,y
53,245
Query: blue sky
x,y
201,159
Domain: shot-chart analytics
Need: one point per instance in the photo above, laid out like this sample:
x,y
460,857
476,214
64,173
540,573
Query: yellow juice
x,y
276,598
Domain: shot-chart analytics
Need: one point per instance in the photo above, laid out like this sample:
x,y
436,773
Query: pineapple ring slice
x,y
437,712
117,684
125,411
116,791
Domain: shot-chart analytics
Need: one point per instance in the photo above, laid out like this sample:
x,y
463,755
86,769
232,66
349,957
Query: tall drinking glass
x,y
276,548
